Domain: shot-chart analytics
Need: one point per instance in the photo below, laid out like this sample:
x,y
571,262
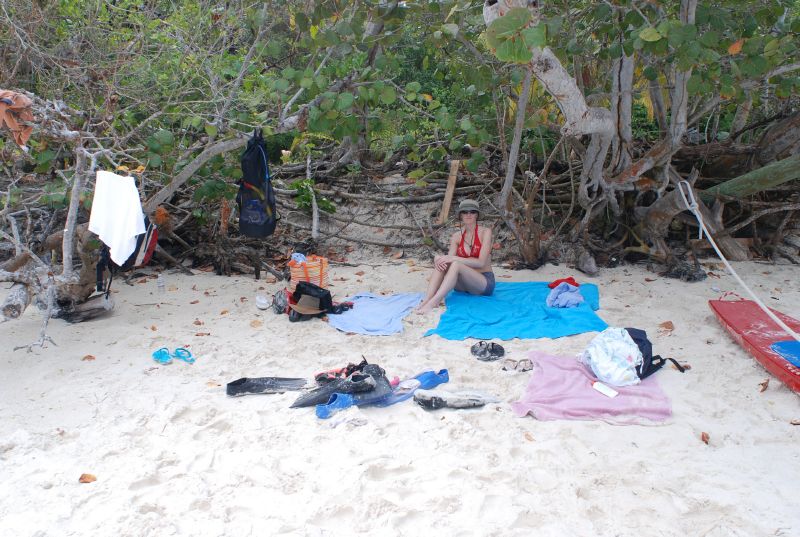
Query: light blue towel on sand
x,y
517,310
375,315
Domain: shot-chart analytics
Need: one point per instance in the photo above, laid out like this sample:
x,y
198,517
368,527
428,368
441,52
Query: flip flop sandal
x,y
162,356
517,365
509,364
183,354
524,365
488,351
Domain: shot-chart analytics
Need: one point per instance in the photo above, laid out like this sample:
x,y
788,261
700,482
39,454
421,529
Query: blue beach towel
x,y
517,310
375,315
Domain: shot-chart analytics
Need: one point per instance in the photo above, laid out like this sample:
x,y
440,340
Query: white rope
x,y
688,199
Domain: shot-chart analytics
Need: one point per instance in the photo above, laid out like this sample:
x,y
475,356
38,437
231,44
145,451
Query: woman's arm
x,y
441,262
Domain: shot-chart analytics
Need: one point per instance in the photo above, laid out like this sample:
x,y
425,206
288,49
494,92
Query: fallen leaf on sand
x,y
194,302
242,299
223,312
255,323
529,437
87,478
153,328
87,358
705,438
198,322
764,385
203,334
213,384
650,279
360,273
795,422
666,328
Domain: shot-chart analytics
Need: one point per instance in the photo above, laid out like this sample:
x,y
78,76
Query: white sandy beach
x,y
173,455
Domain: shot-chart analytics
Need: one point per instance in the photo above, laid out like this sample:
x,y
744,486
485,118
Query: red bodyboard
x,y
755,331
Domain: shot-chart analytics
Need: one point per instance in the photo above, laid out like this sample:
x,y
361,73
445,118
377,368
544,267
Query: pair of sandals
x,y
486,351
517,365
164,357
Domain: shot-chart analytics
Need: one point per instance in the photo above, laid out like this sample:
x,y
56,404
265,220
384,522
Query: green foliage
x,y
304,188
215,190
416,87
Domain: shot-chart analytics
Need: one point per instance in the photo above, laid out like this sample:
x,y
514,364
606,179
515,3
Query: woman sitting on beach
x,y
467,266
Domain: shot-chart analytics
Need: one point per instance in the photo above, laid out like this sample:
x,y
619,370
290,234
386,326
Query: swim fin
x,y
405,390
340,401
357,382
245,386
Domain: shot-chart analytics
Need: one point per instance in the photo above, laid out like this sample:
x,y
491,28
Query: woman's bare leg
x,y
457,276
433,284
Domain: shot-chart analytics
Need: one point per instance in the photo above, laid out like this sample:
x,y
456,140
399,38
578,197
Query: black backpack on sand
x,y
650,363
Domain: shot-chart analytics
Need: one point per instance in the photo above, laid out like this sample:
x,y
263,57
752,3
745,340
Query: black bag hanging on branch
x,y
256,197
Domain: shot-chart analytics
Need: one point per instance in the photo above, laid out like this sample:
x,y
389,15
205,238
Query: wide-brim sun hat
x,y
307,305
468,205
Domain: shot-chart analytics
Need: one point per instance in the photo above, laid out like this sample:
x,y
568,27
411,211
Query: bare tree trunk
x,y
513,156
580,118
72,213
659,109
621,102
17,300
780,140
661,152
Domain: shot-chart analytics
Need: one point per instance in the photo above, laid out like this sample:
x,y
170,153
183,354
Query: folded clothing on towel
x,y
564,295
570,280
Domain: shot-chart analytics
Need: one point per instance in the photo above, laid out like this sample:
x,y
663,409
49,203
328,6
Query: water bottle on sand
x,y
162,285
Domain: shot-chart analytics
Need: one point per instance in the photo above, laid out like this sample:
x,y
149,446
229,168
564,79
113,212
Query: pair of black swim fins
x,y
367,380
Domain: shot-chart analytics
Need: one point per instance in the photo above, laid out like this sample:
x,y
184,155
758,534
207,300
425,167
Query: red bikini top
x,y
475,249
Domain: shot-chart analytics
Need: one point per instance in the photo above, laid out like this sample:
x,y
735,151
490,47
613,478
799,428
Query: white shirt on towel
x,y
117,216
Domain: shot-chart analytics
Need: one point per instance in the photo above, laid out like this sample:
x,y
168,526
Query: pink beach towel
x,y
561,388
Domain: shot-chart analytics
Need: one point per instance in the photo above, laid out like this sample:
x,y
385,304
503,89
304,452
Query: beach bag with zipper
x,y
650,364
256,197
